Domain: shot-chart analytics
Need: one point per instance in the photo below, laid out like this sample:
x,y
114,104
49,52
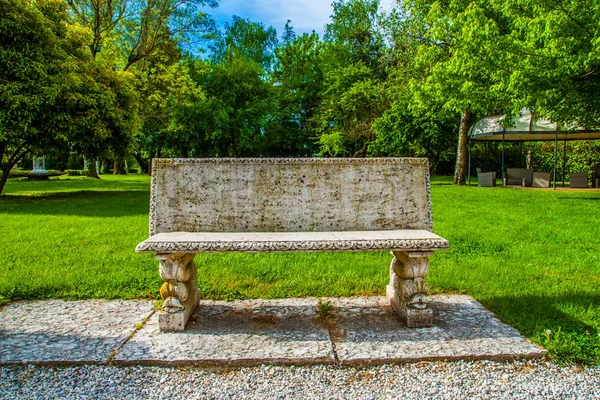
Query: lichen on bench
x,y
291,205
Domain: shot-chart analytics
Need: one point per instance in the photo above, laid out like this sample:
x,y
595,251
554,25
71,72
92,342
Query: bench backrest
x,y
289,195
519,173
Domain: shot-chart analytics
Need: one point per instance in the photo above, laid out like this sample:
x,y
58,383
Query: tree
x,y
231,119
401,133
288,32
244,39
354,69
140,26
352,100
41,62
355,36
167,90
297,80
556,44
105,111
460,63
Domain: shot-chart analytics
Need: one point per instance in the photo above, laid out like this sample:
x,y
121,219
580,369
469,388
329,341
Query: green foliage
x,y
557,47
352,100
325,309
298,81
167,92
229,121
354,86
244,39
399,132
354,34
41,63
106,109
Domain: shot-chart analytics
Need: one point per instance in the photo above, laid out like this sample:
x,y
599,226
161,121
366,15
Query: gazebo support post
x,y
469,169
564,162
502,170
555,155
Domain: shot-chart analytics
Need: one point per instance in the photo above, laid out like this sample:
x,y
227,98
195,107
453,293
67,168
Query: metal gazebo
x,y
526,128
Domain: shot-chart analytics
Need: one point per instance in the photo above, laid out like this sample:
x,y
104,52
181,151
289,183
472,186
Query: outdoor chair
x,y
486,179
578,180
541,180
518,177
596,178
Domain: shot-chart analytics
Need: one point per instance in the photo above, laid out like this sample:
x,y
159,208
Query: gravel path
x,y
440,380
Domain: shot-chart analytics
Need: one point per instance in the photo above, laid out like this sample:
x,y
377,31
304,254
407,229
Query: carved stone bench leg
x,y
179,292
407,291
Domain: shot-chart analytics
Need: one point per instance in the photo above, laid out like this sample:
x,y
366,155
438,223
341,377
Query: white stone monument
x,y
39,166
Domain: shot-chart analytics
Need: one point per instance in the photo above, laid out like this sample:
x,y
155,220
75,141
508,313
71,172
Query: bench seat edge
x,y
189,242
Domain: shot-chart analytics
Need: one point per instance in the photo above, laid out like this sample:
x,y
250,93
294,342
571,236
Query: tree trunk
x,y
5,172
460,171
119,167
92,172
144,164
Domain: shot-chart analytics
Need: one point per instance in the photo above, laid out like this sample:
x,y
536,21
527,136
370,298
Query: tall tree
x,y
457,47
166,87
140,26
231,119
556,46
244,39
297,80
42,59
354,67
288,32
354,34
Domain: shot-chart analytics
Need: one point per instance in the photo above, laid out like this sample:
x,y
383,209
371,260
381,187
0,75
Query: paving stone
x,y
67,332
243,333
240,333
367,331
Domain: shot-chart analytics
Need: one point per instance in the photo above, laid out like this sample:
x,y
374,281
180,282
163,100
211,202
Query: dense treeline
x,y
114,79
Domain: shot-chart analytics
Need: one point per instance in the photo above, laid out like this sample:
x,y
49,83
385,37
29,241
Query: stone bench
x,y
291,205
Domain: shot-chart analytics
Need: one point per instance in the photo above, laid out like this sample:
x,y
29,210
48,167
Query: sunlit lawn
x,y
530,256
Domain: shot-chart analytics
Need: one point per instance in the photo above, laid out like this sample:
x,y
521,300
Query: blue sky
x,y
306,15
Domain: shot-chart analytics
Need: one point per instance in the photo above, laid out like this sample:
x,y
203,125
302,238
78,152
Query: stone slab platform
x,y
359,331
240,333
68,332
367,332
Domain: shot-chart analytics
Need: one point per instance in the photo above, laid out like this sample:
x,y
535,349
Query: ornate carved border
x,y
333,161
150,246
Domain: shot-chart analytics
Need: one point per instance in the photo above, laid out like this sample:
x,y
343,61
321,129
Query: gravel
x,y
440,380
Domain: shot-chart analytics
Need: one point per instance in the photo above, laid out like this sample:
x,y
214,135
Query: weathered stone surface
x,y
67,332
289,195
405,239
368,331
248,332
408,289
291,205
412,317
364,331
179,292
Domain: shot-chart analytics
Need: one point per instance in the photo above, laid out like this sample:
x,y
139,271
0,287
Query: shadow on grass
x,y
78,203
540,317
580,198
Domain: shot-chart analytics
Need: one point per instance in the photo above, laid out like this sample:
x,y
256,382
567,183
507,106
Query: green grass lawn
x,y
530,256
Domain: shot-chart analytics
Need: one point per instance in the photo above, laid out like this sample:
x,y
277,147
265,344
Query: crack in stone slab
x,y
128,338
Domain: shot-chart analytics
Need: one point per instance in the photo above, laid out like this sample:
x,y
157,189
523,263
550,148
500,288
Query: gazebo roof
x,y
527,128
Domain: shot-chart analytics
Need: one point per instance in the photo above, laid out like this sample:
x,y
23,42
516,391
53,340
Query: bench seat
x,y
207,242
